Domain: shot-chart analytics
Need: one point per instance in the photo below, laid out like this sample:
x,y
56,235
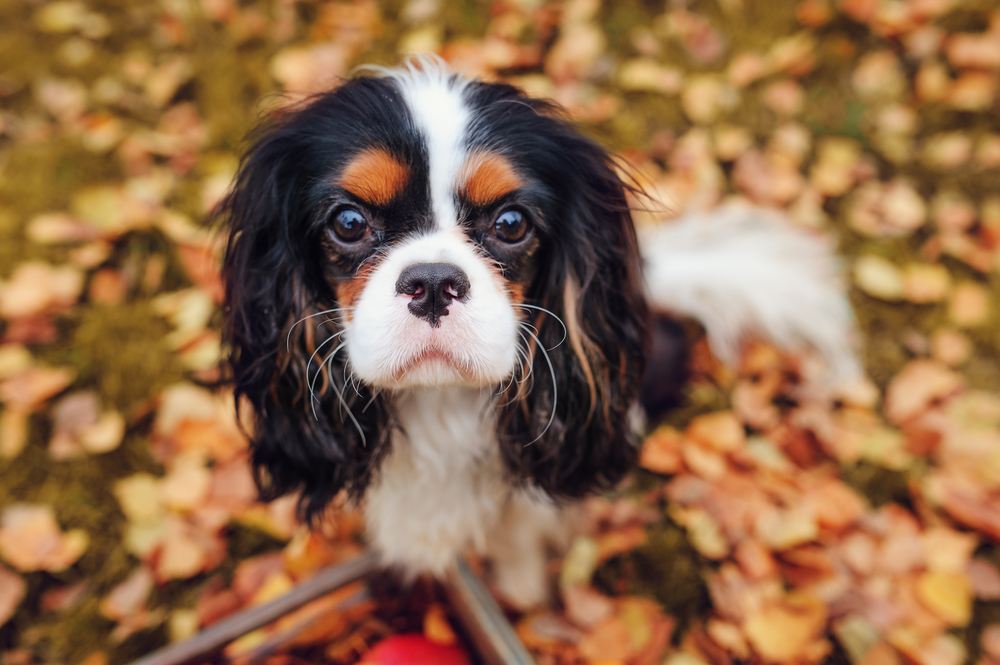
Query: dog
x,y
436,304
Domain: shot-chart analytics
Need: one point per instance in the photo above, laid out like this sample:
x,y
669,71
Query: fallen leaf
x,y
991,641
585,606
30,389
55,227
984,578
30,539
608,642
129,597
63,597
661,451
923,283
879,277
720,431
37,288
947,595
436,626
783,631
951,347
920,384
580,562
783,529
968,305
879,76
12,590
834,171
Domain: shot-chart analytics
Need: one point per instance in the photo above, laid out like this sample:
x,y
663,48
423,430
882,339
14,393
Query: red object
x,y
413,650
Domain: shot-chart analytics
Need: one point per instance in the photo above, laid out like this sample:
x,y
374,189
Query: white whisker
x,y
555,391
553,315
288,337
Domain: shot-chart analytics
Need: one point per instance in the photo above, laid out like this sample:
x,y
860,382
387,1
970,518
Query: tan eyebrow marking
x,y
374,176
488,177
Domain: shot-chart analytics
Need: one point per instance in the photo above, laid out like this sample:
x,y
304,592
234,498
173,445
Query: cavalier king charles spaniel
x,y
435,301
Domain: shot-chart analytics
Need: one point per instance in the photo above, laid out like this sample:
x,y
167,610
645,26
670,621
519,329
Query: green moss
x,y
666,569
119,349
43,176
877,484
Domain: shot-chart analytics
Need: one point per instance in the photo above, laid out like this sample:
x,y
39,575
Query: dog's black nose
x,y
432,287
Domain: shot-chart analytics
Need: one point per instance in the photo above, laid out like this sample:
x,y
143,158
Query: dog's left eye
x,y
511,226
350,225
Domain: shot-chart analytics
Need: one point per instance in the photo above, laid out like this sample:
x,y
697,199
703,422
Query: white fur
x,y
441,491
479,334
741,271
441,488
435,98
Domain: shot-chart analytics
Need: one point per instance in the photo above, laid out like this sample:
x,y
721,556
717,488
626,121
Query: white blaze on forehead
x,y
435,98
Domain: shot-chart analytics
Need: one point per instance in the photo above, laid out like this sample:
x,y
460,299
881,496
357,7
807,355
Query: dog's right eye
x,y
350,226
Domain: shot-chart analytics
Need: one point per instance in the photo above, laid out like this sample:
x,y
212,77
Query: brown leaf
x,y
784,529
187,484
216,603
991,641
947,595
13,432
129,597
63,597
36,288
610,641
784,631
30,389
920,384
969,305
951,347
835,505
30,539
252,573
621,541
55,227
661,451
966,502
879,277
188,550
12,590
436,626
985,579
585,606
719,431
979,51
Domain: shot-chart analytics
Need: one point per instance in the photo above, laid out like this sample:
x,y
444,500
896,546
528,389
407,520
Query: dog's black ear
x,y
568,430
308,434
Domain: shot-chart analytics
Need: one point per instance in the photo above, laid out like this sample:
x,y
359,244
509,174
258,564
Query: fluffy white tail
x,y
743,271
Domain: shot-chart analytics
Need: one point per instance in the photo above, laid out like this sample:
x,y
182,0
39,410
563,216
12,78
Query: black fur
x,y
587,239
277,272
274,277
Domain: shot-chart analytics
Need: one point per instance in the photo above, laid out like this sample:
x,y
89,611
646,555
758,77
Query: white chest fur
x,y
441,489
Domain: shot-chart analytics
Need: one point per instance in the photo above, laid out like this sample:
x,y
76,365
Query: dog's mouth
x,y
433,364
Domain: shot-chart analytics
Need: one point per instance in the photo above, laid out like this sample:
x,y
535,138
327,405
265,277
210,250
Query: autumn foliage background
x,y
772,521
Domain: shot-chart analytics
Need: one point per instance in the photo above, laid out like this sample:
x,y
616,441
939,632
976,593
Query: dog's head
x,y
419,229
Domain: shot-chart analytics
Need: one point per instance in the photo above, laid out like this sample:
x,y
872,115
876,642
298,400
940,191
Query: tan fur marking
x,y
577,341
488,177
374,176
349,290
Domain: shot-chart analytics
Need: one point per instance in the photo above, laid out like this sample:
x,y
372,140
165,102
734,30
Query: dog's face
x,y
417,230
430,245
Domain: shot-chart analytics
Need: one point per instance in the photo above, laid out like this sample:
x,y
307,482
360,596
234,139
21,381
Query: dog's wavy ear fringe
x,y
308,433
567,430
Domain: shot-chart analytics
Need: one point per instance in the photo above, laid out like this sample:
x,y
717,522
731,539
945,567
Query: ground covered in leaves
x,y
773,521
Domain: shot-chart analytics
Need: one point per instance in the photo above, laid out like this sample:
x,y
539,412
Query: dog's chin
x,y
435,368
